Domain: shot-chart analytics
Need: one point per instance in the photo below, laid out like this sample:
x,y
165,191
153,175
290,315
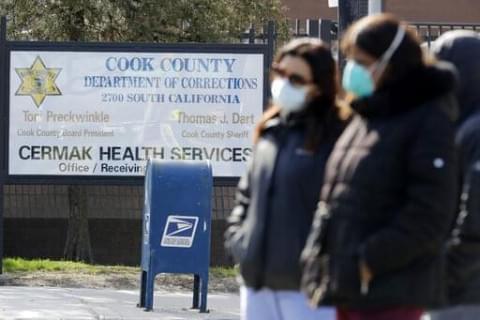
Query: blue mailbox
x,y
176,226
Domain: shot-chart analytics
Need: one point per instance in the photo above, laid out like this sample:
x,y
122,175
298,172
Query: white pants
x,y
267,304
467,312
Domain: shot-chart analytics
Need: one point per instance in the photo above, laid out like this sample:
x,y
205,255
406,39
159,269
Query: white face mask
x,y
288,97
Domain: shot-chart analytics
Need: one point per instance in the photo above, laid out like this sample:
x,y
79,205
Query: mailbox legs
x,y
148,282
149,291
196,291
143,289
204,292
200,291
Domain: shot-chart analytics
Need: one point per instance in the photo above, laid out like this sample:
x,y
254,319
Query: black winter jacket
x,y
388,198
462,48
275,203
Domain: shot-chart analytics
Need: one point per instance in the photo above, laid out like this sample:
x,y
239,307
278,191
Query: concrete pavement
x,y
44,303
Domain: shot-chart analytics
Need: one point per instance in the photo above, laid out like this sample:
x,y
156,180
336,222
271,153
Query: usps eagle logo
x,y
38,81
179,231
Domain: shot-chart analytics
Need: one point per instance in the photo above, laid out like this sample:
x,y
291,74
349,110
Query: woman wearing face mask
x,y
277,197
388,199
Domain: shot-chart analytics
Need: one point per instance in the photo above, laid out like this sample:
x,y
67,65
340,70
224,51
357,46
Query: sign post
x,y
176,226
3,133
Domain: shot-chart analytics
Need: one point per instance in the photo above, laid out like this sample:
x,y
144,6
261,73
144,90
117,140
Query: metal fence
x,y
327,30
104,202
430,31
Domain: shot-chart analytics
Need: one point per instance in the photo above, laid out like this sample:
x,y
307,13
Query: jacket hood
x,y
422,84
462,48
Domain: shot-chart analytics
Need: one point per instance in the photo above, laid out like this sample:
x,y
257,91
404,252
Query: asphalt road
x,y
106,304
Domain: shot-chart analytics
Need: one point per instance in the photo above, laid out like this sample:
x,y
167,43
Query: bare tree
x,y
77,246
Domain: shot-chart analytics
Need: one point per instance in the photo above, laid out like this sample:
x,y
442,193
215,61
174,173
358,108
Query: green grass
x,y
45,265
23,265
222,272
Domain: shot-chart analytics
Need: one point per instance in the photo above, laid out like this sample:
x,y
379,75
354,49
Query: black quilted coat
x,y
389,198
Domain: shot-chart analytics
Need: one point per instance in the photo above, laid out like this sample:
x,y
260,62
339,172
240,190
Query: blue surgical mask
x,y
288,97
358,79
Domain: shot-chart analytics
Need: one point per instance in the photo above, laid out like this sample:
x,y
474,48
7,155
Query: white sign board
x,y
106,113
332,3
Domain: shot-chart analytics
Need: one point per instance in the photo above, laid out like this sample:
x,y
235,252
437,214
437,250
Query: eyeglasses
x,y
294,78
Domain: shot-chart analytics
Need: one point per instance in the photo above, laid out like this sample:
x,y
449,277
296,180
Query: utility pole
x,y
351,10
348,11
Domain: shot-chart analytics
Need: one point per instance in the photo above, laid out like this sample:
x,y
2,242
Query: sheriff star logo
x,y
38,81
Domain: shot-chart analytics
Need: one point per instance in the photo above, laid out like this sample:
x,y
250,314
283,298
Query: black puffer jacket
x,y
462,48
275,203
388,198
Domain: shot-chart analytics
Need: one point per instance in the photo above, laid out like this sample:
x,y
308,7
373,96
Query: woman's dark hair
x,y
321,112
374,34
